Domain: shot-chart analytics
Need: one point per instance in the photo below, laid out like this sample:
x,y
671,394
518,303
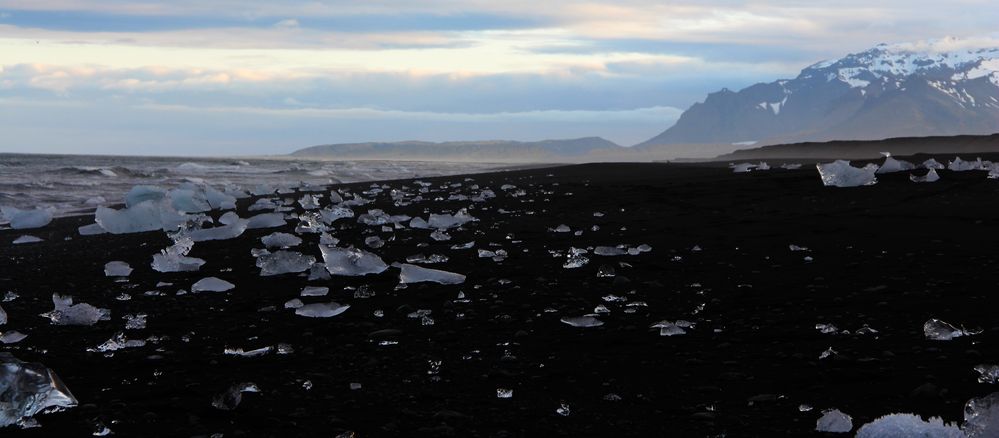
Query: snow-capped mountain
x,y
941,87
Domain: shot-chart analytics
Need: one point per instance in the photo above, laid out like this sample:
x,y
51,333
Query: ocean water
x,y
76,184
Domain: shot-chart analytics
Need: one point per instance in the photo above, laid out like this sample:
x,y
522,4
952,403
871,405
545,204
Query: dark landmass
x,y
959,145
889,256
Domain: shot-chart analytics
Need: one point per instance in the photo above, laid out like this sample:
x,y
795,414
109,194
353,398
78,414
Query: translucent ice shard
x,y
135,321
609,251
25,219
504,393
981,417
138,218
3,316
118,342
232,397
938,330
140,194
892,165
265,220
314,291
959,165
284,262
351,261
834,421
117,269
933,164
575,259
281,240
930,176
908,425
582,321
174,258
27,239
417,274
262,351
212,284
231,231
987,373
742,167
446,221
28,388
321,310
841,174
67,313
12,337
91,230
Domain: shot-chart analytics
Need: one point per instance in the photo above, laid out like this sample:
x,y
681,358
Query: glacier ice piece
x,y
315,291
447,221
563,409
67,313
293,303
91,230
281,240
212,284
143,193
938,330
835,421
959,165
742,167
117,269
26,219
3,316
425,259
138,218
232,397
416,274
233,230
188,200
351,261
27,239
136,321
930,176
419,223
262,351
908,425
322,310
266,220
840,173
284,262
981,416
374,242
28,388
609,251
174,258
331,215
933,164
575,260
12,337
504,393
892,165
582,321
987,373
117,342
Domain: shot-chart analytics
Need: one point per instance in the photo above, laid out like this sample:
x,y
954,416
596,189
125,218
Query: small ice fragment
x,y
981,416
790,166
794,248
938,330
416,274
3,316
930,176
841,174
174,258
582,321
828,353
281,240
826,328
987,373
293,303
321,310
91,230
315,291
374,242
933,164
12,337
224,232
135,321
440,236
29,388
67,313
742,167
265,220
563,409
609,251
230,398
211,284
834,421
959,165
27,239
908,425
562,229
141,217
284,262
504,393
355,386
892,165
117,269
25,219
575,261
446,221
251,353
118,342
351,261
804,408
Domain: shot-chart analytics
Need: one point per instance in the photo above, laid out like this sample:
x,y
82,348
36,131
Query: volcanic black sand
x,y
890,256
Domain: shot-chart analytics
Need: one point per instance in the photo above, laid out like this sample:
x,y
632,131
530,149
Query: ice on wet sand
x,y
938,330
281,240
840,173
212,284
834,421
321,310
582,321
908,425
67,313
981,416
284,262
117,269
174,258
351,261
416,274
26,219
27,388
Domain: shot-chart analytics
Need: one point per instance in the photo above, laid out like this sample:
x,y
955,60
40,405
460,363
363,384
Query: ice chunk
x,y
930,176
892,165
417,274
3,316
135,321
419,223
212,284
138,218
742,167
262,351
840,173
28,388
266,220
562,229
959,165
232,397
834,421
790,166
27,239
225,232
91,230
25,219
987,373
117,269
329,216
67,313
446,221
284,262
293,303
609,251
981,416
281,240
140,194
938,330
374,242
174,258
424,259
582,321
575,259
314,291
351,261
933,164
440,236
504,393
908,425
321,310
12,337
188,200
118,342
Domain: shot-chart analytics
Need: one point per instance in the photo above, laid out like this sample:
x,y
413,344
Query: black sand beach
x,y
889,256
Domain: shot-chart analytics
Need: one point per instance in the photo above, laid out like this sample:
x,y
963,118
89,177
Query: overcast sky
x,y
203,77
